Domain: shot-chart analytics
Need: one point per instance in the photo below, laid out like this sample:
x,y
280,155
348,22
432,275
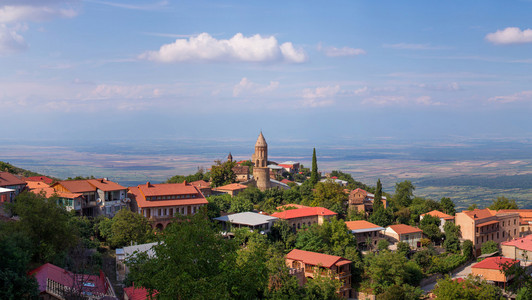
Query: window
x,y
503,233
514,221
515,231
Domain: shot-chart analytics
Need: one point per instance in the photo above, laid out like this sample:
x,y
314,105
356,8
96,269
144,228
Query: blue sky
x,y
299,70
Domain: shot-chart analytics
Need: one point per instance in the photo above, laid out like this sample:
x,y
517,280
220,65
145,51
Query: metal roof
x,y
246,218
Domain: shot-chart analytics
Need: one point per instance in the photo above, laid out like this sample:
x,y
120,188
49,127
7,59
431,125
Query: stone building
x,y
261,172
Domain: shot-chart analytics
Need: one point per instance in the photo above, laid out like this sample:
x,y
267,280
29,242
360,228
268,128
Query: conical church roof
x,y
261,141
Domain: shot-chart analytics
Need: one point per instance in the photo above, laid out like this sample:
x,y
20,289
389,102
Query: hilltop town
x,y
254,228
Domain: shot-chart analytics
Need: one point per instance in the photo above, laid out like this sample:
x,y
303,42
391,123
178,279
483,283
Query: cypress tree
x,y
314,177
377,202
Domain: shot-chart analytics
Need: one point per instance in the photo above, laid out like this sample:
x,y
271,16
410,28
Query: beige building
x,y
305,216
366,234
491,269
525,220
404,233
519,248
482,225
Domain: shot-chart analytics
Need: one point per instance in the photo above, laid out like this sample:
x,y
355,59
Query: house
x,y
203,186
440,215
241,173
309,264
44,179
70,201
122,254
362,201
291,167
232,189
525,219
366,234
299,217
404,233
491,269
275,170
482,225
101,196
336,180
160,203
137,293
518,248
12,182
251,220
57,283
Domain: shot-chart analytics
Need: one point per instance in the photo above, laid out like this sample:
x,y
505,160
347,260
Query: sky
x,y
318,71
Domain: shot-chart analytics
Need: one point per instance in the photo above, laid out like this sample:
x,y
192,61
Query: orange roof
x,y
478,213
76,186
524,214
8,179
315,259
283,207
360,224
37,187
201,184
303,212
105,185
359,190
439,214
168,189
404,229
231,187
494,263
44,179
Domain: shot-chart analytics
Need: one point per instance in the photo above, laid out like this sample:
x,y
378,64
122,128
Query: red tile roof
x,y
439,214
524,243
286,181
231,187
37,187
137,293
44,179
106,185
303,212
8,179
139,193
494,263
478,213
76,186
201,184
315,259
66,278
404,229
360,224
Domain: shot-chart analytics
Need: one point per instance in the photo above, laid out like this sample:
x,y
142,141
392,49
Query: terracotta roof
x,y
487,223
44,179
314,258
494,263
8,179
167,189
76,186
525,215
304,212
231,187
137,293
66,278
439,214
286,181
478,213
137,193
404,229
106,185
524,243
360,224
201,184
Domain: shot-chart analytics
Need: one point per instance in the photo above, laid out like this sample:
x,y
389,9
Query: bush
x,y
489,247
382,245
445,263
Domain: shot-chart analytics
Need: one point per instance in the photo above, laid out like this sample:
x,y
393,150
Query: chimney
x,y
185,182
148,184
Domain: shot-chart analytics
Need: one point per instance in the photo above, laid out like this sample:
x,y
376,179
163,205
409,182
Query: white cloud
x,y
14,14
246,86
338,52
384,100
407,46
521,96
427,100
238,48
320,96
510,35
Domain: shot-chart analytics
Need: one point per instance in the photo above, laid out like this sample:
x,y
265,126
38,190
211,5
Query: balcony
x,y
487,231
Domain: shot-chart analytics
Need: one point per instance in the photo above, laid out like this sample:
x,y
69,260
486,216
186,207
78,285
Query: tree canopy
x,y
503,203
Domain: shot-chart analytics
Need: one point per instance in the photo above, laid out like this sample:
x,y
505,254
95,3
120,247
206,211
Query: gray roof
x,y
4,190
368,229
246,218
290,162
129,250
275,167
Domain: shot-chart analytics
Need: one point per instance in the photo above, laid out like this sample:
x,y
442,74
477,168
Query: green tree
x,y
330,238
15,251
202,262
128,227
388,268
322,287
401,292
489,247
199,175
314,176
403,248
240,204
404,191
282,232
473,288
503,203
467,249
452,237
377,202
521,284
281,285
472,206
382,245
45,224
382,217
330,195
222,173
431,228
447,206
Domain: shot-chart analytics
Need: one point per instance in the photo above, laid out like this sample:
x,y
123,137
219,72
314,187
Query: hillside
x,y
7,167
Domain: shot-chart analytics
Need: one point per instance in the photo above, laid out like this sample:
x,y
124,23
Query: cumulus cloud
x,y
510,35
14,14
338,52
320,96
204,47
246,86
517,97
